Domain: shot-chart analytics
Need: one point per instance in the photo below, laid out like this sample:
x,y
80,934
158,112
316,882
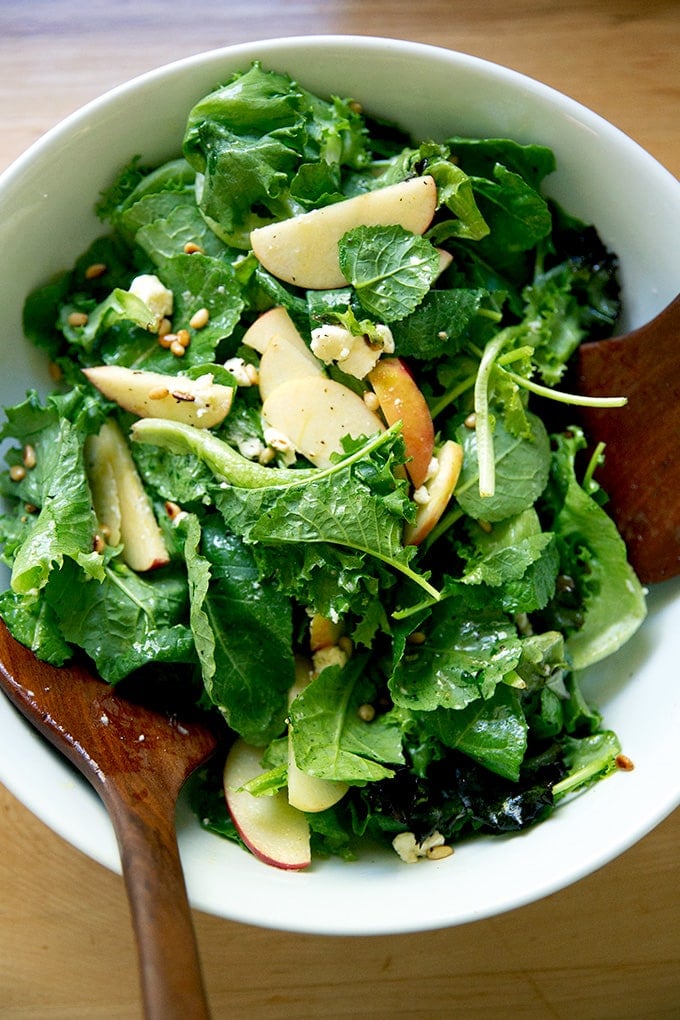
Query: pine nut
x,y
191,248
78,319
438,853
29,456
17,472
199,319
178,349
366,713
94,271
159,393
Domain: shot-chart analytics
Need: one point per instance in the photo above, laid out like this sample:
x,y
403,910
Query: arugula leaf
x,y
517,215
136,182
390,268
444,322
479,157
519,559
124,621
330,739
493,732
522,466
242,631
64,524
462,659
594,552
31,621
334,508
164,223
249,139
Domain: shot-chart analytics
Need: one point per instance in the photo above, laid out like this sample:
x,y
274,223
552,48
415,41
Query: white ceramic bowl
x,y
46,219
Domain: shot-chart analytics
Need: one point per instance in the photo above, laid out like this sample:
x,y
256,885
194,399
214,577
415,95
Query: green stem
x,y
485,447
230,466
577,399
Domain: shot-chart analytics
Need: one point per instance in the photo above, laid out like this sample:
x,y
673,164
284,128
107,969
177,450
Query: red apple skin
x,y
401,400
274,831
440,489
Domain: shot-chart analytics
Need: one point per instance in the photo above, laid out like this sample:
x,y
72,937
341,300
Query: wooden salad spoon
x,y
641,470
137,759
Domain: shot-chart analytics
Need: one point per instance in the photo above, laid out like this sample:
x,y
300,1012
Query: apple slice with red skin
x,y
275,831
440,489
401,400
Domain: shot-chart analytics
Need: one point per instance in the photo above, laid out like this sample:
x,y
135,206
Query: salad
x,y
311,458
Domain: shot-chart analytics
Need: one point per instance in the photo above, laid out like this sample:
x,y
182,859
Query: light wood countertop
x,y
607,947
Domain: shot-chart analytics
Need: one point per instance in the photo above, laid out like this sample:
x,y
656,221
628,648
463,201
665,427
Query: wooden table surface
x,y
608,946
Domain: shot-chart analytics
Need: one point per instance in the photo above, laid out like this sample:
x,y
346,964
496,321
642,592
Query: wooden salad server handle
x,y
137,759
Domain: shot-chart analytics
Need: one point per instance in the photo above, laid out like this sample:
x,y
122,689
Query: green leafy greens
x,y
448,697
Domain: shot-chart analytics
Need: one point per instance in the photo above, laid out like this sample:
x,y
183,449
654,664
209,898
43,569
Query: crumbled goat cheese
x,y
410,850
432,470
421,495
157,298
243,373
281,444
356,355
331,655
251,448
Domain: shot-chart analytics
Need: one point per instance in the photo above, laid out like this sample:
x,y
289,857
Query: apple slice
x,y
200,402
315,413
283,361
439,489
445,260
120,501
306,792
275,831
274,324
401,400
323,632
303,250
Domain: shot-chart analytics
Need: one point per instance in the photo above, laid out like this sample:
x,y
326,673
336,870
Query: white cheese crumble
x,y
251,448
243,372
331,655
281,444
157,298
410,850
356,355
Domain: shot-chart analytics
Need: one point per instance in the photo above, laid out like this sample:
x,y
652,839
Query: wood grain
x,y
607,947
